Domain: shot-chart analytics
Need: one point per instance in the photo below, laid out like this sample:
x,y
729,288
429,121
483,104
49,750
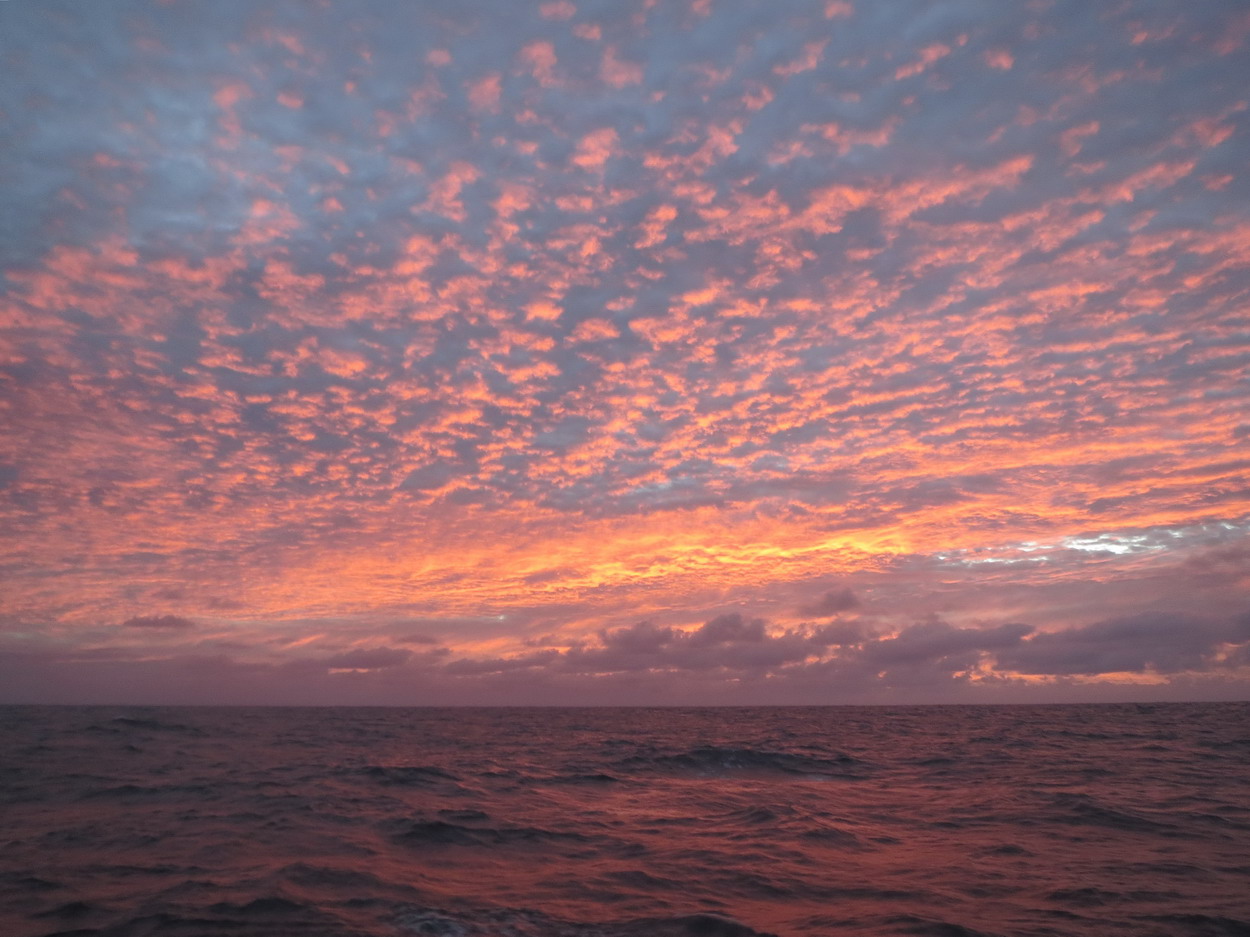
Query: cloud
x,y
160,623
831,603
642,638
931,654
839,633
728,658
1154,642
414,638
727,629
374,658
564,308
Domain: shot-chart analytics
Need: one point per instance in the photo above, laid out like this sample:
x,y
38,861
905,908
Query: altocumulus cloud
x,y
330,327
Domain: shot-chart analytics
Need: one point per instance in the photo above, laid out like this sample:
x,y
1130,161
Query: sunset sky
x,y
625,351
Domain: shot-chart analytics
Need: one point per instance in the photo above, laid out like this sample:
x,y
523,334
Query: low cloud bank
x,y
730,658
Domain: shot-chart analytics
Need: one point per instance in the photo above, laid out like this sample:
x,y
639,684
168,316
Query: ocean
x,y
357,822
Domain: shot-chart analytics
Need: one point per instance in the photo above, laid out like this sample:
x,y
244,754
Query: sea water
x,y
1014,820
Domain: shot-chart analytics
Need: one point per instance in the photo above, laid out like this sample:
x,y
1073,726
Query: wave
x,y
1085,810
262,916
1091,897
123,723
718,761
832,836
690,925
1206,925
259,907
525,923
140,791
670,824
322,877
419,833
927,927
71,910
788,821
599,777
408,775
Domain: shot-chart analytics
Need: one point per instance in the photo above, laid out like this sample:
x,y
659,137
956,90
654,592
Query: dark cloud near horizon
x,y
937,642
1148,642
926,653
932,657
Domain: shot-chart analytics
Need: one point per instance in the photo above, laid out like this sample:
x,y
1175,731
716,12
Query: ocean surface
x,y
942,821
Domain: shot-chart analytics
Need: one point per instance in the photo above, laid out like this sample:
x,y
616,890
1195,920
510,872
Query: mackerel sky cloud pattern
x,y
624,351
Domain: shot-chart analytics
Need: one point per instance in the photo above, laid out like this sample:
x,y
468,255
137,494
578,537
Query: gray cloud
x,y
1159,642
839,633
728,658
941,643
831,603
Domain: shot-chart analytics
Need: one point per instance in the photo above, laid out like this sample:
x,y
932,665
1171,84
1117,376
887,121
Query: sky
x,y
624,351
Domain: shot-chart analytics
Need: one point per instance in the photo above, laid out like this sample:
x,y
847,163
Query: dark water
x,y
1077,820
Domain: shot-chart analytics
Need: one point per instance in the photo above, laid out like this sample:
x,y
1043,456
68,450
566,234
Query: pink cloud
x,y
596,148
1000,59
928,55
540,57
618,73
484,93
558,10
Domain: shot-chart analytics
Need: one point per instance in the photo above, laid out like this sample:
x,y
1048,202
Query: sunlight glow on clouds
x,y
460,351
